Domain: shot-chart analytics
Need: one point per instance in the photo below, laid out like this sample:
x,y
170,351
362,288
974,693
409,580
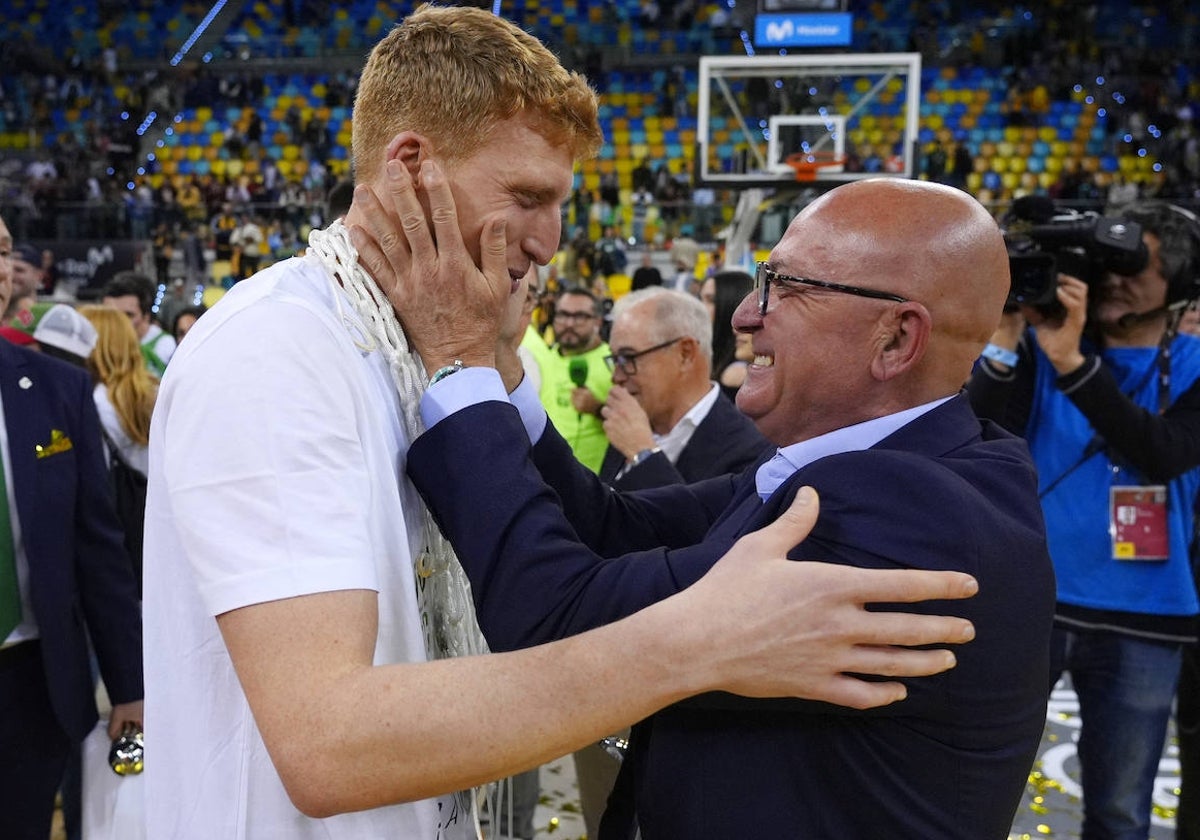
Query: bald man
x,y
865,323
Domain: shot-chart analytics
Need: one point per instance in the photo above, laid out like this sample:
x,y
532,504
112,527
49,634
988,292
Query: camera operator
x,y
1107,393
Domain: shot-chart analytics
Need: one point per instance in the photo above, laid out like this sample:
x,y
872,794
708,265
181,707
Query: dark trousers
x,y
1187,724
33,745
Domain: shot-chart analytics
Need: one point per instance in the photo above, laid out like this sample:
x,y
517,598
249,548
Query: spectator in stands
x,y
249,242
184,320
125,390
646,274
732,353
610,253
133,294
27,276
610,198
641,201
685,251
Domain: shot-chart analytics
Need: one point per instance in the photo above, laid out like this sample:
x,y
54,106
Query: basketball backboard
x,y
768,121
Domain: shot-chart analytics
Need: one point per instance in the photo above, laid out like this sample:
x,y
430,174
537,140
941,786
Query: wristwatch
x,y
643,455
442,373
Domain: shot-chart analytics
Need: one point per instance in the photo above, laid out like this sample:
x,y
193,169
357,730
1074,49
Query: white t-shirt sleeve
x,y
267,478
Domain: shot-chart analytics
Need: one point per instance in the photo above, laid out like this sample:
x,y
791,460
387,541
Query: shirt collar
x,y
675,441
854,438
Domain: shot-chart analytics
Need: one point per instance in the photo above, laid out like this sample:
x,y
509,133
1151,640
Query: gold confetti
x,y
1044,829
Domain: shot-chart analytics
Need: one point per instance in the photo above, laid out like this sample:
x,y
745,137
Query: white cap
x,y
64,328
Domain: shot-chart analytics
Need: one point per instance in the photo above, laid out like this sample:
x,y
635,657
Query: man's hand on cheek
x,y
449,307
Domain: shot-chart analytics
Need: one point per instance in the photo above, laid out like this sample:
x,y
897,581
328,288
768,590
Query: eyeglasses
x,y
765,276
563,315
627,362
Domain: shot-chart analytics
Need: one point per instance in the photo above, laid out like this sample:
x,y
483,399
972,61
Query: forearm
x,y
1004,394
459,723
345,735
512,539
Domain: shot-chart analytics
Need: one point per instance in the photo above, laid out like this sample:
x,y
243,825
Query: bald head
x,y
933,244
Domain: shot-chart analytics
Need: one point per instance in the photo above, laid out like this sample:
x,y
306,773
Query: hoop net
x,y
809,164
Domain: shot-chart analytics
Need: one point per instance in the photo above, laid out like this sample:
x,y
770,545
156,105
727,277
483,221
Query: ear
x,y
409,148
689,349
904,335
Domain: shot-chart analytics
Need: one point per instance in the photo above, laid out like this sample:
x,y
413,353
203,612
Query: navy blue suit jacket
x,y
726,441
944,492
81,579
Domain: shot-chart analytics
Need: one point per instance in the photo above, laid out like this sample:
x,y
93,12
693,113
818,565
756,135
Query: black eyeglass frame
x,y
764,276
627,362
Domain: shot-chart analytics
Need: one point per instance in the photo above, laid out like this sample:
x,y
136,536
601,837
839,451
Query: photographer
x,y
1105,390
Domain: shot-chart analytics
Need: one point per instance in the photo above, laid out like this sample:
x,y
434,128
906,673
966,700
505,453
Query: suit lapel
x,y
21,388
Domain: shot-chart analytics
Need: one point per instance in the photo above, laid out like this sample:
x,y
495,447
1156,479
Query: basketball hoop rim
x,y
808,164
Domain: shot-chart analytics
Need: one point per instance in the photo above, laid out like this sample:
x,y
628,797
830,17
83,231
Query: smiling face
x,y
26,278
813,352
827,359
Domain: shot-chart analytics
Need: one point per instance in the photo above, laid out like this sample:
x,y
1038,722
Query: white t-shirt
x,y
276,470
135,455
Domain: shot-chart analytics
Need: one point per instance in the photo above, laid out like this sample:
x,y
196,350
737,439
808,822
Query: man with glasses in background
x,y
867,321
575,379
666,420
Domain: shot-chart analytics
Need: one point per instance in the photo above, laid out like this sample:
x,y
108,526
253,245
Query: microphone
x,y
577,369
1130,319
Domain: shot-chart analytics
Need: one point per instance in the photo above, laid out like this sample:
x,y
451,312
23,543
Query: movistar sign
x,y
802,30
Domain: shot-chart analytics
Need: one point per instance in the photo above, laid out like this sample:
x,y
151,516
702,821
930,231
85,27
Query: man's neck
x,y
688,398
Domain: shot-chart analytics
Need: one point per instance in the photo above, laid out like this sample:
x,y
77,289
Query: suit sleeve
x,y
655,471
613,523
103,568
534,577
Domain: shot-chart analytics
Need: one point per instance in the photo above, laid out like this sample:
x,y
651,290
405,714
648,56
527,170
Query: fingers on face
x,y
413,234
441,205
